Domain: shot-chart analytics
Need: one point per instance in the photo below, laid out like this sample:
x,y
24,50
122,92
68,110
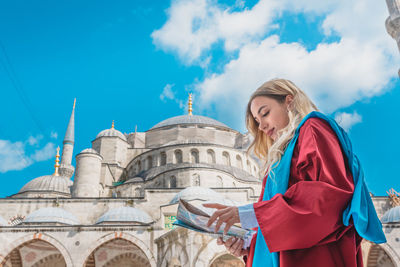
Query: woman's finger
x,y
214,206
213,217
220,241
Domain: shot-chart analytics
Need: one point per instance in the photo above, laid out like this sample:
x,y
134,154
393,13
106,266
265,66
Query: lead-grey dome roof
x,y
53,183
392,215
51,215
189,119
125,214
112,133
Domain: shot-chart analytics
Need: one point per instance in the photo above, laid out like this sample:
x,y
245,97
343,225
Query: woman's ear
x,y
288,100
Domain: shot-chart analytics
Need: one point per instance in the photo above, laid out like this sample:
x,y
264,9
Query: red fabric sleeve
x,y
320,187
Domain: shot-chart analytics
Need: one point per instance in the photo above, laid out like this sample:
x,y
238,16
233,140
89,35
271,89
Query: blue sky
x,y
136,61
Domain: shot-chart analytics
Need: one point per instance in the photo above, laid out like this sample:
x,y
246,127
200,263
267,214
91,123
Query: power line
x,y
18,87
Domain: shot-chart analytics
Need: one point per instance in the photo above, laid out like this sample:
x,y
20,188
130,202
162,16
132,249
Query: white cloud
x,y
335,75
13,156
194,26
347,120
47,152
54,135
34,140
167,92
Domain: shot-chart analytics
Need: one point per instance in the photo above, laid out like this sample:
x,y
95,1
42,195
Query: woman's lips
x,y
270,132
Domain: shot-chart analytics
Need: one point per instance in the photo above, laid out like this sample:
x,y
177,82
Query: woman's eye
x,y
266,114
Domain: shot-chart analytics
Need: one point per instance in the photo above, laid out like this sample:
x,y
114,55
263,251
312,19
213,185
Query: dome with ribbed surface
x,y
189,119
112,133
392,215
196,192
125,214
51,215
3,222
48,183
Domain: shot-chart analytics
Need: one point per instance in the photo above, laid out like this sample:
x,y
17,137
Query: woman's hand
x,y
224,214
234,246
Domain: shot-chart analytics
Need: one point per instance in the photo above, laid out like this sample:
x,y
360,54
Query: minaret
x,y
66,169
190,105
393,21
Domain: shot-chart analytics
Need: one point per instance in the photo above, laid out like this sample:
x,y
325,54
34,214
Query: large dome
x,y
392,215
125,214
189,119
51,215
48,183
196,192
111,133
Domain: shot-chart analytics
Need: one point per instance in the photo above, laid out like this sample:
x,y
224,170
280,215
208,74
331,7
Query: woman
x,y
314,208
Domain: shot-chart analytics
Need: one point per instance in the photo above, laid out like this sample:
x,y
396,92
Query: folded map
x,y
193,218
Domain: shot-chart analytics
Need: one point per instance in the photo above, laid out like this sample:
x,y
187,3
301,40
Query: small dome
x,y
112,133
51,215
3,222
392,215
196,192
90,151
125,214
189,119
59,184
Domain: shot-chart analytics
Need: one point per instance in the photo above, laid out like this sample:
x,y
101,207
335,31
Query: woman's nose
x,y
262,126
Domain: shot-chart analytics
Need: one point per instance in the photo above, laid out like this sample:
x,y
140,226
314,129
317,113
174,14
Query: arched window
x,y
219,181
194,156
239,163
163,158
149,162
138,166
226,158
178,156
210,156
138,192
172,182
196,179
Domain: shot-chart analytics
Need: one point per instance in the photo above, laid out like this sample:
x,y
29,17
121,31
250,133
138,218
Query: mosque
x,y
119,208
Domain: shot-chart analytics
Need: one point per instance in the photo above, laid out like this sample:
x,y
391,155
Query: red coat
x,y
305,224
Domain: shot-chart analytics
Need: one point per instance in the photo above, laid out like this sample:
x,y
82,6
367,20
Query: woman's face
x,y
270,114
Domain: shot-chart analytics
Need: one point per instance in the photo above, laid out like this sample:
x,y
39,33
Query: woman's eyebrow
x,y
259,110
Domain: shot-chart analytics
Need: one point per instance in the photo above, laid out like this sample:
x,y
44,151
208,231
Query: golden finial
x,y
190,104
394,197
112,125
74,103
57,165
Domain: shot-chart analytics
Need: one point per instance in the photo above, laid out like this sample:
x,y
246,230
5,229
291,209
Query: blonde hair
x,y
263,146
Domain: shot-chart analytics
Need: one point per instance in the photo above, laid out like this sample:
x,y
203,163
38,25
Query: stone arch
x,y
226,260
35,237
177,156
53,260
239,162
226,158
210,253
382,256
119,235
163,158
175,251
126,259
210,156
194,155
